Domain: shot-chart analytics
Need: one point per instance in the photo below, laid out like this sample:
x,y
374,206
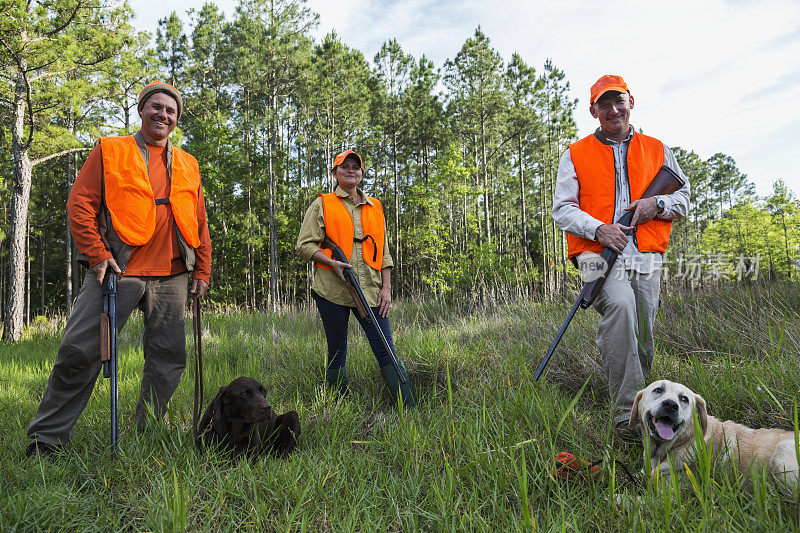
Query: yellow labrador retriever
x,y
664,411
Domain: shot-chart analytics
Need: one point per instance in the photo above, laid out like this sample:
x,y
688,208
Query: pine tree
x,y
172,49
476,102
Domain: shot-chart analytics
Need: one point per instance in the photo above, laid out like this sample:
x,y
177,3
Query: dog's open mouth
x,y
661,427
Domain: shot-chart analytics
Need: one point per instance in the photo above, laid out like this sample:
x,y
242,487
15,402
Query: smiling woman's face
x,y
349,173
159,117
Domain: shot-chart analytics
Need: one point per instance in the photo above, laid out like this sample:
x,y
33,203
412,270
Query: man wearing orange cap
x,y
599,178
137,208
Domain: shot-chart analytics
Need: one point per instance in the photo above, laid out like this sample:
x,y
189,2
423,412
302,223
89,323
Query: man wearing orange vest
x,y
137,208
599,178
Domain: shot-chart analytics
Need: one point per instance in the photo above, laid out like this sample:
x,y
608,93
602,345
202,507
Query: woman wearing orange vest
x,y
355,222
137,208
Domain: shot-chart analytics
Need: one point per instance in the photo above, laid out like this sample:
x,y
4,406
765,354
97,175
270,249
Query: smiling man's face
x,y
159,117
613,110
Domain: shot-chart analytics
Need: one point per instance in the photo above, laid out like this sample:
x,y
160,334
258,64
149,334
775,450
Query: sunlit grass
x,y
476,454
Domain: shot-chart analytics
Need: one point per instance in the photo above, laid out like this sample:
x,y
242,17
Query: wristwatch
x,y
660,204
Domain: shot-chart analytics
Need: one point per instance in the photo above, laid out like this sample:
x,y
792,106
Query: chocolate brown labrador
x,y
241,420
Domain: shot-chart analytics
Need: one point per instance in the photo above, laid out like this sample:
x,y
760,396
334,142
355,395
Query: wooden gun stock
x,y
105,351
352,282
349,277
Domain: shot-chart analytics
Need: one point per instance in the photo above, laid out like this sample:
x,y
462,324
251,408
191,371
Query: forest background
x,y
463,155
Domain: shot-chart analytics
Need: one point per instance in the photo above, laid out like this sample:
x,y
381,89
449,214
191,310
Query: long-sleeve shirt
x,y
326,283
568,215
160,256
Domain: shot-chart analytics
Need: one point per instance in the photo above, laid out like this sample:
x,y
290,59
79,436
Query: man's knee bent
x,y
620,304
74,365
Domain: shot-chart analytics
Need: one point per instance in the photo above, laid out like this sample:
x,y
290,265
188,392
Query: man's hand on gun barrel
x,y
615,236
199,288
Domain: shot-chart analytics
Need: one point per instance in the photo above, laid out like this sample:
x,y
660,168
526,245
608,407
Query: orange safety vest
x,y
129,197
339,227
594,165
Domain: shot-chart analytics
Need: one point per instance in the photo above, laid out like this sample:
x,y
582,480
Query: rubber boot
x,y
393,382
337,379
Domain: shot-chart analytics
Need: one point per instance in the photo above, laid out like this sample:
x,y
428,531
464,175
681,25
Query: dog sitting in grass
x,y
241,420
664,412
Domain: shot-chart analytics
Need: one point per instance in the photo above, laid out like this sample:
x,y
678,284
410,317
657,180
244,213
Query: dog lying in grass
x,y
241,420
664,412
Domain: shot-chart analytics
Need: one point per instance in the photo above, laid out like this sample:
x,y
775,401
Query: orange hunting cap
x,y
609,82
341,157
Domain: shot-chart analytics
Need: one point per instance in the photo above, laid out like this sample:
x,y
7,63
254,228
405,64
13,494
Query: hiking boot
x,y
37,448
626,434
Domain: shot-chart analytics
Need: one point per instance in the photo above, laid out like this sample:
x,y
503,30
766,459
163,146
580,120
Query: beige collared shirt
x,y
326,283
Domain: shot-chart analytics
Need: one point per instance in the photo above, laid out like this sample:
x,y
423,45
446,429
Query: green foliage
x,y
763,235
172,49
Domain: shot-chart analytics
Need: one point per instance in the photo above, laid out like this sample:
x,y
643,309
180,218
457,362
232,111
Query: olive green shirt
x,y
326,283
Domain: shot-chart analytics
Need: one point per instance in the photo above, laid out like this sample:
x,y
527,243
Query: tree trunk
x,y
525,255
273,245
543,228
72,161
41,246
786,246
28,267
485,179
397,242
20,197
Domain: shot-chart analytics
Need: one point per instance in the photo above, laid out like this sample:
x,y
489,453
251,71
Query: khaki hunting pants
x,y
162,300
628,304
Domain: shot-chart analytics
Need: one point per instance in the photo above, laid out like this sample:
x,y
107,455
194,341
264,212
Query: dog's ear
x,y
634,419
220,417
208,417
702,412
224,395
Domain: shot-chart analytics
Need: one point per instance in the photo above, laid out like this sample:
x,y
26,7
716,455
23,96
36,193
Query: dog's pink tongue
x,y
664,430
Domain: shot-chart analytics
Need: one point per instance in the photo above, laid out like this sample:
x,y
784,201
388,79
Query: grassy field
x,y
477,454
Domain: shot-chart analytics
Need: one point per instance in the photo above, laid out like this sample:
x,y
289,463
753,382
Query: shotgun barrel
x,y
108,348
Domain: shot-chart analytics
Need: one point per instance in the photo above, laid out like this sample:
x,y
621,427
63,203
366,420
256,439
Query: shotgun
x,y
362,306
665,182
108,347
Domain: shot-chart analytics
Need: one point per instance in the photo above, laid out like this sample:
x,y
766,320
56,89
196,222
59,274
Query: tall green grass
x,y
477,454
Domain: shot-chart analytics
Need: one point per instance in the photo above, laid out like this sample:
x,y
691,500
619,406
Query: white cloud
x,y
708,75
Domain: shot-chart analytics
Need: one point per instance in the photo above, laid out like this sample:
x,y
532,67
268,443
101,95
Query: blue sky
x,y
707,75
